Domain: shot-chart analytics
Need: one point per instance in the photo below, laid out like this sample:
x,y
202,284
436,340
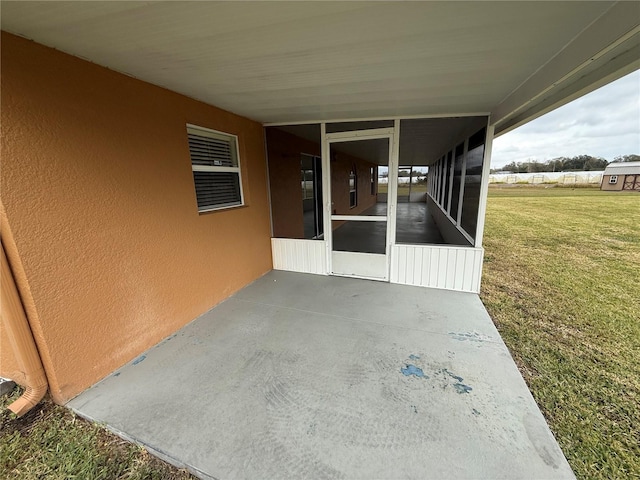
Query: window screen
x,y
216,168
457,179
473,182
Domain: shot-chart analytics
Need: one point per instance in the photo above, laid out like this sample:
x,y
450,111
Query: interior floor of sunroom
x,y
310,376
414,225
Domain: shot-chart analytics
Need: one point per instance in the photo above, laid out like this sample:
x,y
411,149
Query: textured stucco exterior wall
x,y
100,201
284,151
340,170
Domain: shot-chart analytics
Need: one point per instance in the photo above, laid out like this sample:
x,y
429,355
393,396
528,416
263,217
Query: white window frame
x,y
374,180
233,139
613,179
353,190
307,191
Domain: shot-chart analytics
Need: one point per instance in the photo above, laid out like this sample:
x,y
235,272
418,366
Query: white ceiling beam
x,y
621,65
613,34
373,119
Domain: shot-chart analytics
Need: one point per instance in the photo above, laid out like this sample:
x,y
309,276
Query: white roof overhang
x,y
290,62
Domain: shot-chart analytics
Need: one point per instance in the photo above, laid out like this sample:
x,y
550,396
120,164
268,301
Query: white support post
x,y
326,191
410,180
436,192
451,165
462,178
392,191
484,186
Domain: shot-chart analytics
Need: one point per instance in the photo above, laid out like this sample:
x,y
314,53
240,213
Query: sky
x,y
605,123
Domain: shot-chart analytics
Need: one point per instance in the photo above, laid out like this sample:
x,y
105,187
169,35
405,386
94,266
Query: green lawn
x,y
562,283
50,442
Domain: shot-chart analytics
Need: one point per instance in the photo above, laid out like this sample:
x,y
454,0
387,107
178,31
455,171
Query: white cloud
x,y
604,123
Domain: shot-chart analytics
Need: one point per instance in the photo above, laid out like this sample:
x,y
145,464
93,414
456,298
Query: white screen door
x,y
359,165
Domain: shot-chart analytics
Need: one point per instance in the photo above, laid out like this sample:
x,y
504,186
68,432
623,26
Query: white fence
x,y
565,178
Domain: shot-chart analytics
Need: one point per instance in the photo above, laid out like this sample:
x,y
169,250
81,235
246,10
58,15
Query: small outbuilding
x,y
621,176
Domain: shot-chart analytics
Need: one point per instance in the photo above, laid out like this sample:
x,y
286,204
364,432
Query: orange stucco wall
x,y
99,198
340,170
284,150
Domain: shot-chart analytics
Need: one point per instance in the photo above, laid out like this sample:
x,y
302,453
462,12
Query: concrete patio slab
x,y
304,376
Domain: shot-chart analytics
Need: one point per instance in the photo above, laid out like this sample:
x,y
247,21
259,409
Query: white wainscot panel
x,y
447,267
306,256
361,265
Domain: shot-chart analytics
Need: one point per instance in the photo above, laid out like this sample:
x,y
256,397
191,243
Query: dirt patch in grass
x,y
53,443
562,283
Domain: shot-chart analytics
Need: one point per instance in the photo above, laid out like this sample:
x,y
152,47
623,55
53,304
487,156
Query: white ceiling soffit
x,y
302,61
422,140
606,50
425,140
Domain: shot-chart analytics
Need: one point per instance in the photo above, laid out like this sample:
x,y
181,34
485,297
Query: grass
x,y
51,442
562,283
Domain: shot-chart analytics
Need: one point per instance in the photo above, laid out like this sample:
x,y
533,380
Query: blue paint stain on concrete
x,y
455,377
462,388
139,359
412,370
414,357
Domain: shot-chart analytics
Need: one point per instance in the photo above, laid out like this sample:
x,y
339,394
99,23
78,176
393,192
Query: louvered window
x,y
216,168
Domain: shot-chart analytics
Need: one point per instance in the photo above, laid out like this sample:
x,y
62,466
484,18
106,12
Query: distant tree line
x,y
563,164
626,158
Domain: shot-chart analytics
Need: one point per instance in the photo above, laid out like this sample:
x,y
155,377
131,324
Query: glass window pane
x,y
447,180
457,178
373,178
414,222
351,165
295,181
472,182
353,187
